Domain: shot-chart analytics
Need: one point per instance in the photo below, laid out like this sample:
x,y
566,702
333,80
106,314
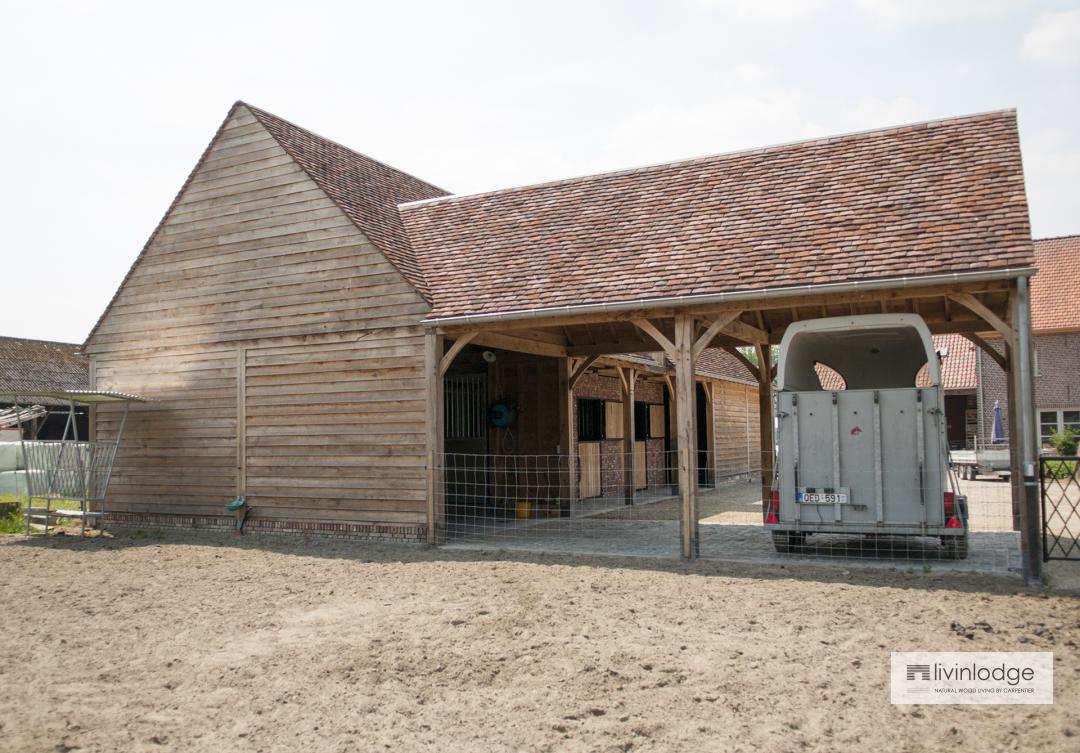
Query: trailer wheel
x,y
788,541
955,547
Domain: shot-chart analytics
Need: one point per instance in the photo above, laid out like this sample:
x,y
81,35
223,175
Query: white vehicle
x,y
868,455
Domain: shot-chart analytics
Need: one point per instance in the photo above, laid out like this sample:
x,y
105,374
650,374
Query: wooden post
x,y
629,378
710,433
436,492
241,422
568,477
765,419
684,398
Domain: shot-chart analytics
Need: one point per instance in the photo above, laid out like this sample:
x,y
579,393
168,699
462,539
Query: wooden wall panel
x,y
589,459
253,249
735,430
327,420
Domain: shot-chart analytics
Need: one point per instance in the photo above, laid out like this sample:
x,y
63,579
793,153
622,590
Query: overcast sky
x,y
108,105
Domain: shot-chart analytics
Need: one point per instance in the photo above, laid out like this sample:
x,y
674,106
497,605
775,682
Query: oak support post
x,y
568,476
766,420
684,397
436,497
629,379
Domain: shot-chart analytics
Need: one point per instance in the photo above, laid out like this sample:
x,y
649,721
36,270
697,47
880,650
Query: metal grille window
x,y
590,420
466,406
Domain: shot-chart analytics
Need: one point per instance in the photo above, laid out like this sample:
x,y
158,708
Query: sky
x,y
108,105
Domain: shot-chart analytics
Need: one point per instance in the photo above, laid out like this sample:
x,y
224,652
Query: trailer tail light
x,y
952,520
772,512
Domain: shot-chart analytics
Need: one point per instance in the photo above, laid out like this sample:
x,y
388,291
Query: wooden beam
x,y
711,331
504,341
989,349
651,330
977,307
613,347
450,355
579,370
746,333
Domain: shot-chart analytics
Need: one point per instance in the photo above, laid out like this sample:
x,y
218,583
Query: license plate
x,y
810,496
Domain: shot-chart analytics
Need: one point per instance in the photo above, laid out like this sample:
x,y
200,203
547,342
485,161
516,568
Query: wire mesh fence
x,y
631,505
1060,488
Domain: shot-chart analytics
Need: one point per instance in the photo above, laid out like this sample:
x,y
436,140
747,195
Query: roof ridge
x,y
657,166
40,342
1056,237
260,111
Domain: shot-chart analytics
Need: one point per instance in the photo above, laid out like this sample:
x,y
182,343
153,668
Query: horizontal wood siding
x,y
735,430
338,433
179,452
255,256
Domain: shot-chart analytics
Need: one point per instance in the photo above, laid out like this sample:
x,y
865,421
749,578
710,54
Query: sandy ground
x,y
203,642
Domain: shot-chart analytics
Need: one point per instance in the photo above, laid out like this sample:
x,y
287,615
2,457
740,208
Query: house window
x,y
1057,420
641,421
590,420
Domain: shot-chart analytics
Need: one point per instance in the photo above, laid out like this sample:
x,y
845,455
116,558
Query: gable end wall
x,y
283,354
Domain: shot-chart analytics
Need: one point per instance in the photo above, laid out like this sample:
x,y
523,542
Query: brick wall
x,y
1057,378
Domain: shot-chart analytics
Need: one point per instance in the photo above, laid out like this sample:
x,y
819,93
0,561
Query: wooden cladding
x,y
589,457
281,349
613,418
253,249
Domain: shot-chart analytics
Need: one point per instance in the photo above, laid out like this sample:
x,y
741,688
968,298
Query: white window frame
x,y
1059,414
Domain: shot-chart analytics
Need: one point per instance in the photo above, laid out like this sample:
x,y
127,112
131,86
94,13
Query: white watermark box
x,y
988,677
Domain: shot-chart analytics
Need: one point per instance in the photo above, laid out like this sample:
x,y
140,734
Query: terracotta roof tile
x,y
367,190
1053,290
944,196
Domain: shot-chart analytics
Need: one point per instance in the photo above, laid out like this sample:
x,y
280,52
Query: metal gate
x,y
1060,508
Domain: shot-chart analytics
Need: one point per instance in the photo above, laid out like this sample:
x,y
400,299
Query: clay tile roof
x,y
714,362
958,359
943,196
1053,289
367,190
39,364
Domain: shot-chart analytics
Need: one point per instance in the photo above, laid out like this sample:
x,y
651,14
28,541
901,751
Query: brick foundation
x,y
335,530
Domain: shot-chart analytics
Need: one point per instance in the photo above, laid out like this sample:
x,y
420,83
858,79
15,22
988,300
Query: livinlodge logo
x,y
1002,677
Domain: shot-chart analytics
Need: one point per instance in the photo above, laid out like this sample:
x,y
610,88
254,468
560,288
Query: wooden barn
x,y
357,352
275,319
